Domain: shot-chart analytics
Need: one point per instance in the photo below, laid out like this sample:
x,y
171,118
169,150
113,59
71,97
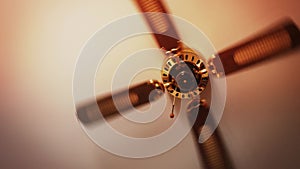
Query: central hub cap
x,y
184,75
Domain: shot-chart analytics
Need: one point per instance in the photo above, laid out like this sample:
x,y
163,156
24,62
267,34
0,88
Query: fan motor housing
x,y
184,74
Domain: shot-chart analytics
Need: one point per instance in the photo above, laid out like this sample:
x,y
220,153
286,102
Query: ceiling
x,y
41,41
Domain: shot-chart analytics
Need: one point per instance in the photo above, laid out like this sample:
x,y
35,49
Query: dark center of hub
x,y
186,81
185,76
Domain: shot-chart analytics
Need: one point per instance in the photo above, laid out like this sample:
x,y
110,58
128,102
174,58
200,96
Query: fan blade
x,y
121,101
159,23
280,38
213,151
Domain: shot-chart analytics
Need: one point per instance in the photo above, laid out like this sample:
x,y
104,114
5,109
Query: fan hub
x,y
184,74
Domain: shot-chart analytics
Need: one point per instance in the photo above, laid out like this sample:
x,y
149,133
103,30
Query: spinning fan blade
x,y
121,101
280,38
212,151
159,23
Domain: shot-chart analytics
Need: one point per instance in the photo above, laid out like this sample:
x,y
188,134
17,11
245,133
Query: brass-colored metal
x,y
212,68
197,70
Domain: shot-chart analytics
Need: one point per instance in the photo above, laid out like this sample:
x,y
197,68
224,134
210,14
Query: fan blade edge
x,y
213,151
156,15
280,38
121,101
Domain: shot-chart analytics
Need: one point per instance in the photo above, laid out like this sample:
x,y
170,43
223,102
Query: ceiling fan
x,y
185,75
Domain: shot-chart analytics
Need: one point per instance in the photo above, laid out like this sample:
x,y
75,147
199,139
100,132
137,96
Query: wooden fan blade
x,y
282,37
213,151
160,24
121,101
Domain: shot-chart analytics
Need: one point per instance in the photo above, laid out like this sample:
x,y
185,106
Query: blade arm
x,y
279,39
121,101
161,24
